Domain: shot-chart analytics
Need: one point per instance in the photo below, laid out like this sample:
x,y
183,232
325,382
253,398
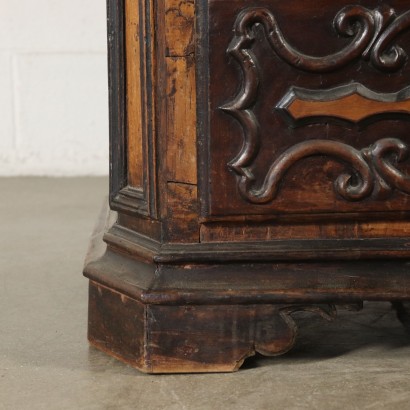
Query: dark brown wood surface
x,y
239,231
145,270
171,339
307,27
134,32
210,318
236,207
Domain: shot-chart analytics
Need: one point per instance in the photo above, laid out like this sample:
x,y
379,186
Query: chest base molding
x,y
154,310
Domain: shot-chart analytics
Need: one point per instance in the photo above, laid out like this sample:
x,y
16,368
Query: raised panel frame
x,y
373,46
124,197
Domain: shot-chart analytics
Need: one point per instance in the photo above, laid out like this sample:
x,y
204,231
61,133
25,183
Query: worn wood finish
x,y
134,31
126,241
183,213
132,108
179,28
180,150
148,227
122,338
352,103
209,283
151,320
260,165
117,107
122,196
266,231
265,156
169,339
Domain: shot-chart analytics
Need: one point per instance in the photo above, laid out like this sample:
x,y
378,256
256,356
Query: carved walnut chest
x,y
259,166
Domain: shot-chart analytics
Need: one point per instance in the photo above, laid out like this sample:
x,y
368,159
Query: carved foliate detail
x,y
373,168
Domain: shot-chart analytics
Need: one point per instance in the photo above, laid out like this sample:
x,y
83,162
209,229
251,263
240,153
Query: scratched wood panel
x,y
181,165
178,140
179,27
352,108
181,120
182,219
253,161
134,96
262,232
162,301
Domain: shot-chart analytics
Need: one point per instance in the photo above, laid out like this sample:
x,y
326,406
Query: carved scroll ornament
x,y
373,168
372,33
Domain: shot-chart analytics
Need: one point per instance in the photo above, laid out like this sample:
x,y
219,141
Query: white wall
x,y
53,87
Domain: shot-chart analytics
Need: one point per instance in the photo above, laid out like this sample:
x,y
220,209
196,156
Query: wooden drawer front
x,y
309,107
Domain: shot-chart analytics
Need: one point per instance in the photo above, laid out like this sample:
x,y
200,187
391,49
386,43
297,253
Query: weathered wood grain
x,y
123,339
252,160
179,27
181,120
134,32
182,218
265,231
230,217
189,339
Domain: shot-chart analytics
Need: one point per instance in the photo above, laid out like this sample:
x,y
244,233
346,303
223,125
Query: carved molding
x,y
352,103
373,168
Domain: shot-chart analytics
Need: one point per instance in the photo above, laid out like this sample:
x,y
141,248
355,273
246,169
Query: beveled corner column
x,y
187,271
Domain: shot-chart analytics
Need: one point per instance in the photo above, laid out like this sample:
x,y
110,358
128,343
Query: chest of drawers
x,y
259,166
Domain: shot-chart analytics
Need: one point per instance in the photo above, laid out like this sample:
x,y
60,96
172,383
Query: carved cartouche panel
x,y
311,63
352,103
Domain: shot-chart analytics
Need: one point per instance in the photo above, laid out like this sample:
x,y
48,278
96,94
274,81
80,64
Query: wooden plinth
x,y
178,318
188,338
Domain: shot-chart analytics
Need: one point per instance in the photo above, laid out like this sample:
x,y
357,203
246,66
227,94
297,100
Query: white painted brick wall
x,y
53,88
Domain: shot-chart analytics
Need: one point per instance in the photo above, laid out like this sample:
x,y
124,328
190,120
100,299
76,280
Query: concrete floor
x,y
360,361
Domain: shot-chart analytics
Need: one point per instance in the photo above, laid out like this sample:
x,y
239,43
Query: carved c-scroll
x,y
389,57
351,187
372,168
385,154
372,32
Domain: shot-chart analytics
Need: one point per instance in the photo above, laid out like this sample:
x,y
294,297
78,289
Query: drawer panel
x,y
305,108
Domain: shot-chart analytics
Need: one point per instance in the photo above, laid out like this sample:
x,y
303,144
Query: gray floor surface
x,y
360,361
